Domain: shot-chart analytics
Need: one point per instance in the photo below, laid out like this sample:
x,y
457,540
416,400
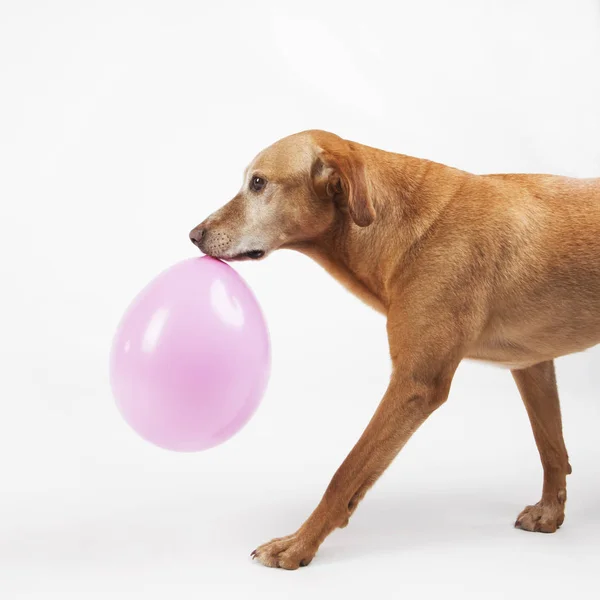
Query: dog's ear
x,y
338,174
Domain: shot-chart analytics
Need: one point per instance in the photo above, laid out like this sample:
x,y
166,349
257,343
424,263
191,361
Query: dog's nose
x,y
196,235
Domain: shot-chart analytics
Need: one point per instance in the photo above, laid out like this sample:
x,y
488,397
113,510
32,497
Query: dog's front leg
x,y
413,394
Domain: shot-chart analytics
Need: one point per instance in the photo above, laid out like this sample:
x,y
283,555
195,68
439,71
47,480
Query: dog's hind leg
x,y
537,385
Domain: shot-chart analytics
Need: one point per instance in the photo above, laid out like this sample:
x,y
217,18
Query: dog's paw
x,y
288,552
543,517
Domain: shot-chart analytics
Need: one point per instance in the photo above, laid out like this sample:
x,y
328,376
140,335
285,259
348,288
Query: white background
x,y
122,125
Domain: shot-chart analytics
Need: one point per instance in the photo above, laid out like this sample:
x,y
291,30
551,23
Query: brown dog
x,y
501,268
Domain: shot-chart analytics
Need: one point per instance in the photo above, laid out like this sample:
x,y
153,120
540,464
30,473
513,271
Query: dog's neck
x,y
359,257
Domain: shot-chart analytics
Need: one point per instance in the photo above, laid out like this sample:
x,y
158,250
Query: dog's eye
x,y
257,184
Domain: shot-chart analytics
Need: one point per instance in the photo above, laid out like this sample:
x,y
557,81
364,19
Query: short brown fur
x,y
502,268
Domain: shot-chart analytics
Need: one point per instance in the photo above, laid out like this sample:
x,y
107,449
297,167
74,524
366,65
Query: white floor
x,y
101,514
189,543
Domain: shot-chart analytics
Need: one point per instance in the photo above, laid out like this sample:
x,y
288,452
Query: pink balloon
x,y
190,359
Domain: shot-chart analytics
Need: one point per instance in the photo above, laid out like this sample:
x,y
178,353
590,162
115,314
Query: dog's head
x,y
293,192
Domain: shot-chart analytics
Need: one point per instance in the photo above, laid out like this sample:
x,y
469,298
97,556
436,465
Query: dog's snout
x,y
196,235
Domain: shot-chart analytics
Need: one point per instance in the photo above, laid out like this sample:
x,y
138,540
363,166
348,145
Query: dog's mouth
x,y
250,255
254,254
